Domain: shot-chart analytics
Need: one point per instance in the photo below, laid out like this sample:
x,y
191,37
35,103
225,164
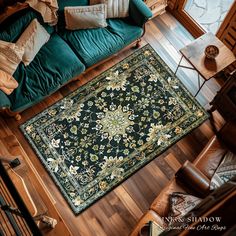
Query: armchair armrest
x,y
139,12
193,179
4,101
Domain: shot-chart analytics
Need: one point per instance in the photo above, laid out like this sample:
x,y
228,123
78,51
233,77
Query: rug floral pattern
x,y
103,132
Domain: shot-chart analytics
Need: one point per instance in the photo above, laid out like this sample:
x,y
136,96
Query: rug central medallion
x,y
97,136
115,122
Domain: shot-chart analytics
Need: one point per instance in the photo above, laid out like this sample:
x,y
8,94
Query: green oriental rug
x,y
93,139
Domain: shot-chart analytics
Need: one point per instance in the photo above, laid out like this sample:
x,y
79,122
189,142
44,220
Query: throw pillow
x,y
10,56
225,171
7,82
181,204
115,8
32,39
84,17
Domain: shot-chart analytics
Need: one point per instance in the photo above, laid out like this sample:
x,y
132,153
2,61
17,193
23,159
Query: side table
x,y
206,68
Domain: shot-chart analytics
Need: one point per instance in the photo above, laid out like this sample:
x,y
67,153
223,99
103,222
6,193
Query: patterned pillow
x,y
84,17
10,56
181,204
225,171
7,82
32,39
115,8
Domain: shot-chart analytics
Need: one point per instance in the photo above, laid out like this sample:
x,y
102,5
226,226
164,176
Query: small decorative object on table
x,y
211,51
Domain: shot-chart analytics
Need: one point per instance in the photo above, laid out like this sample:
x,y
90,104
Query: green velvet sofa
x,y
67,54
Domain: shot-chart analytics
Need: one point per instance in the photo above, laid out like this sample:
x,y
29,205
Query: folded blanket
x,y
7,82
47,8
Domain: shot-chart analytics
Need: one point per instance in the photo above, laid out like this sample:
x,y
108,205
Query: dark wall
x,y
4,3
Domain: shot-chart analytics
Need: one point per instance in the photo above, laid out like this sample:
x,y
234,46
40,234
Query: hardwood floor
x,y
118,211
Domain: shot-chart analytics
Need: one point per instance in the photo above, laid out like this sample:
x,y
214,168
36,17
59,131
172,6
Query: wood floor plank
x,y
128,202
173,162
172,37
136,193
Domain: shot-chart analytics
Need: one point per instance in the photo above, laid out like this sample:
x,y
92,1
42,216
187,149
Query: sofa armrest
x,y
4,101
139,12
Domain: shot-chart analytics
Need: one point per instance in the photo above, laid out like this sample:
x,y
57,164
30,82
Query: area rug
x,y
93,139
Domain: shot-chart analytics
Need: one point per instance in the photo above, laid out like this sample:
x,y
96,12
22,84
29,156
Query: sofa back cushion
x,y
12,28
84,17
72,3
32,39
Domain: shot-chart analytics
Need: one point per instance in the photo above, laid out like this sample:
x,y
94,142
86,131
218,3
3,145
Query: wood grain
x,y
118,211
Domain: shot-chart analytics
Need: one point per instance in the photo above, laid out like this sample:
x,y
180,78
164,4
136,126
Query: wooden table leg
x,y
200,87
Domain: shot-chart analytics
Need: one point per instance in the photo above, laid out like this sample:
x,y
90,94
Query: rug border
x,y
92,82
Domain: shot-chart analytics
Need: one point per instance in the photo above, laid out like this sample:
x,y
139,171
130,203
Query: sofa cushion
x,y
125,29
53,66
72,3
13,27
94,45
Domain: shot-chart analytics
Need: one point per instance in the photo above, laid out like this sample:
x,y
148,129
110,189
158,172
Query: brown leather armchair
x,y
192,178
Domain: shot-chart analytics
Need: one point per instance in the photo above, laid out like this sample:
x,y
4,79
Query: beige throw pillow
x,y
32,39
10,56
84,17
115,8
7,82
